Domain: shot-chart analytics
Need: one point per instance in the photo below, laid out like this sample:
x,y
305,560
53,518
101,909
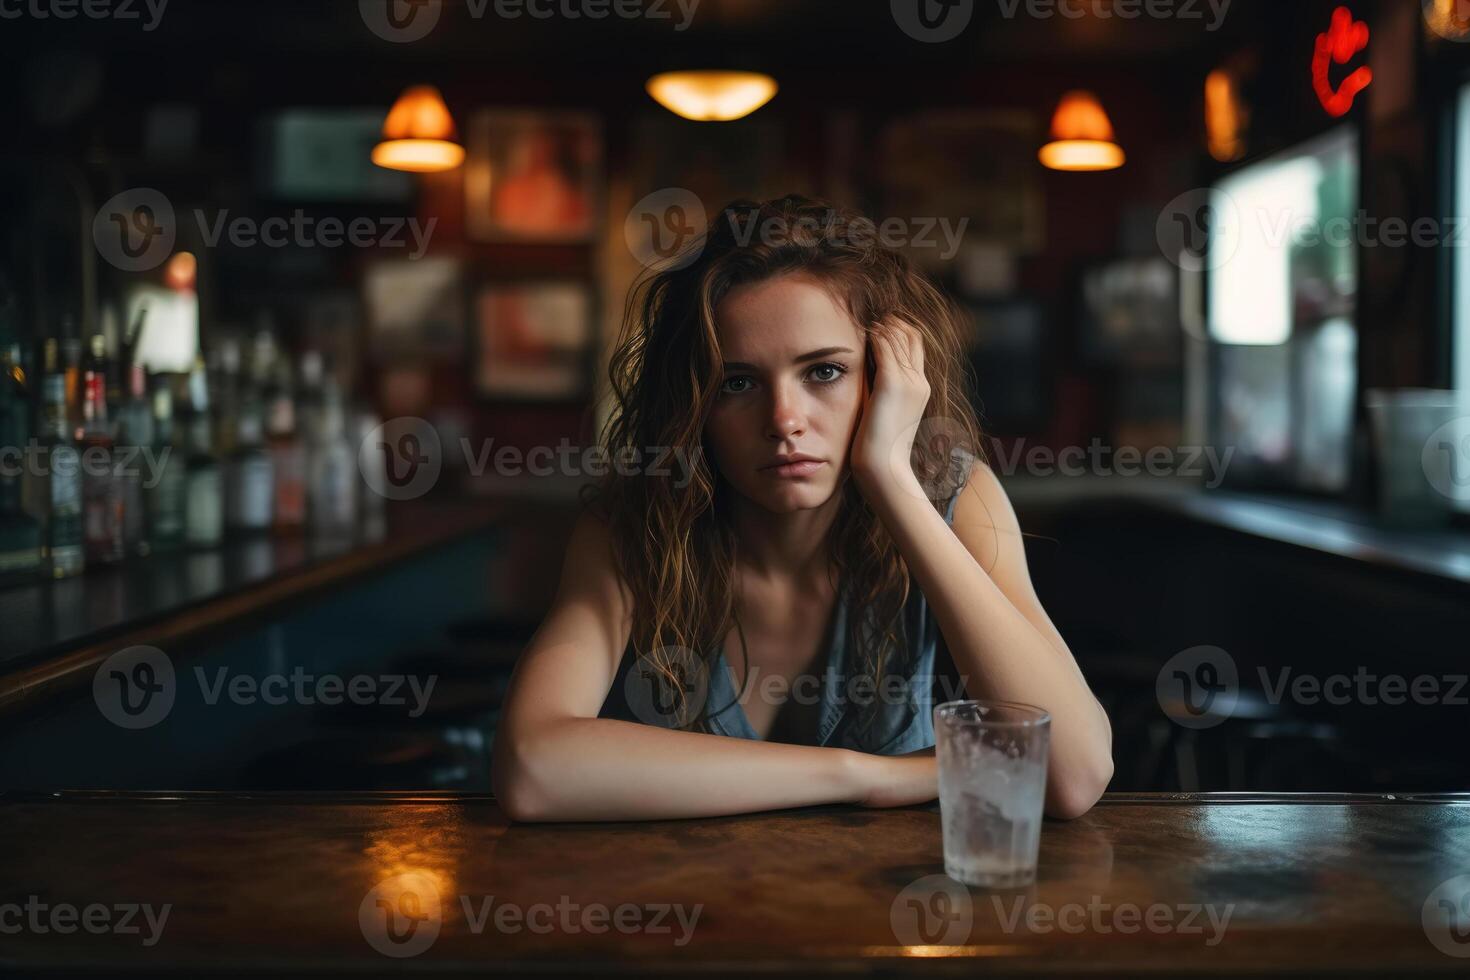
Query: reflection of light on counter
x,y
940,952
1282,833
425,842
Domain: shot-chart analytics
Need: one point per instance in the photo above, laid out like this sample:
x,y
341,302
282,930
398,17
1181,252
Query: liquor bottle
x,y
203,489
333,469
167,495
224,387
20,533
309,402
54,485
71,356
136,441
288,452
371,504
102,497
250,476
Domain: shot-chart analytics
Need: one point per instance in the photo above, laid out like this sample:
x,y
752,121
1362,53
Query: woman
x,y
788,593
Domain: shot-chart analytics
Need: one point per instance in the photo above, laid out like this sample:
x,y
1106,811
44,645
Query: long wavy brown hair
x,y
674,546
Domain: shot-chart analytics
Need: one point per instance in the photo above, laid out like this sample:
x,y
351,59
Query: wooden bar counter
x,y
382,883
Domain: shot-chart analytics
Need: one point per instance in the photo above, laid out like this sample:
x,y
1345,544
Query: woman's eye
x,y
734,381
837,371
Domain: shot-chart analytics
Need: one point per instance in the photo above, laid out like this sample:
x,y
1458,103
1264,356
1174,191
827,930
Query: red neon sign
x,y
1343,40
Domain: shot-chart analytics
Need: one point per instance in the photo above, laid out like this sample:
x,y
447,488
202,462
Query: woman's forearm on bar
x,y
607,769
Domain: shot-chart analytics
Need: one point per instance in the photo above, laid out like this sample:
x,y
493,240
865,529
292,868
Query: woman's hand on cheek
x,y
891,411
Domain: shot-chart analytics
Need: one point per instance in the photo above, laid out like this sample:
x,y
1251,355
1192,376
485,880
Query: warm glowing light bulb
x,y
712,96
1082,136
419,134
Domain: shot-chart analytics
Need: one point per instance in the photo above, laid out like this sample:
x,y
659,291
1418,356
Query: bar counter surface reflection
x,y
1144,883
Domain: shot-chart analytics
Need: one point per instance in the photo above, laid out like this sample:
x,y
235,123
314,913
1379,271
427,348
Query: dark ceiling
x,y
773,33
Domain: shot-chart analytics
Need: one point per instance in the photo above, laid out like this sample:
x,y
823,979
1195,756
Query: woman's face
x,y
794,384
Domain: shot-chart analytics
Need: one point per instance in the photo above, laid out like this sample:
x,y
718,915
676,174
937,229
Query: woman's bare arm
x,y
556,760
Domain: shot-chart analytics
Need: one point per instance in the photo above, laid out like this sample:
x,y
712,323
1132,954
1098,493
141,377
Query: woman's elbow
x,y
516,800
1078,795
516,792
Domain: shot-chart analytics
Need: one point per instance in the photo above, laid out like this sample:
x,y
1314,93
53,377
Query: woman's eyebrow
x,y
808,356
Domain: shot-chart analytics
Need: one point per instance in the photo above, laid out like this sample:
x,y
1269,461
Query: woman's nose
x,y
786,417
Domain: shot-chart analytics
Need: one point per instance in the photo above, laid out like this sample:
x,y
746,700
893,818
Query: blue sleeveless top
x,y
894,719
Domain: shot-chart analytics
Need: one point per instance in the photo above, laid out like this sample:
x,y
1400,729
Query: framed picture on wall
x,y
978,165
533,176
415,308
534,340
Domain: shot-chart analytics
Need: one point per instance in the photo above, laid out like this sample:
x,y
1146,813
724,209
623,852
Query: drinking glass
x,y
992,786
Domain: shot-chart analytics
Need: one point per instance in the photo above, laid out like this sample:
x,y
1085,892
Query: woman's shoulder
x,y
590,568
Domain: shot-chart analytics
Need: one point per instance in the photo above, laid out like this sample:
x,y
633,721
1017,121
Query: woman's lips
x,y
805,467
